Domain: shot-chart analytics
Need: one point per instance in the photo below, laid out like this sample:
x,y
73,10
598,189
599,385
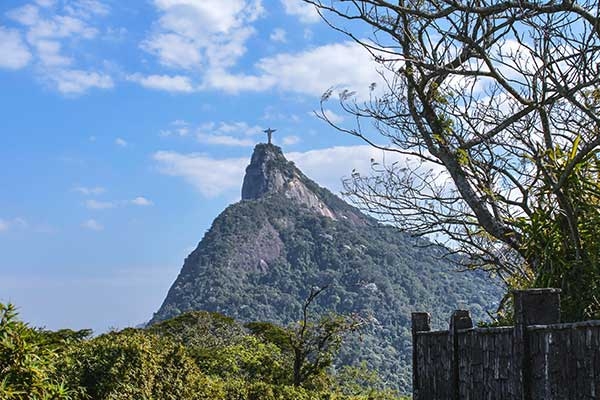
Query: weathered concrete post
x,y
461,319
531,307
421,322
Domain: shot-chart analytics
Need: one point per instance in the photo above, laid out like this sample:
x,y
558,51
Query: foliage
x,y
495,107
133,364
315,343
27,364
136,364
371,271
561,262
201,328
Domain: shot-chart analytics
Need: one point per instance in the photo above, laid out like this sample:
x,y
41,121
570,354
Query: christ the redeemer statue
x,y
269,133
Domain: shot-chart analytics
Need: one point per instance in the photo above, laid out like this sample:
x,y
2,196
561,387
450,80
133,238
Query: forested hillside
x,y
263,255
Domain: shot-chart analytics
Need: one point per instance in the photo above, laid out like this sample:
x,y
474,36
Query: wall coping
x,y
487,331
538,291
431,333
503,329
568,325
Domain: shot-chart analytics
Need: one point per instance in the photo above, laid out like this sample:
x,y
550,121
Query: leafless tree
x,y
496,102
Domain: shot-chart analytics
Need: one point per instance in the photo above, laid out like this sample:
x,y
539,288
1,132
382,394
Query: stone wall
x,y
536,359
433,354
485,364
565,360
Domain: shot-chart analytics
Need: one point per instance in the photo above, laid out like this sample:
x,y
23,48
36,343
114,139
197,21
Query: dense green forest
x,y
198,355
371,270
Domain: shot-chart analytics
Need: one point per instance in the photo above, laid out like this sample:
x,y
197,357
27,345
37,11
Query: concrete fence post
x,y
421,322
531,307
461,319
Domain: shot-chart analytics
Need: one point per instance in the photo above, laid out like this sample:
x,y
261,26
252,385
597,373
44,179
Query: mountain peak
x,y
267,173
270,173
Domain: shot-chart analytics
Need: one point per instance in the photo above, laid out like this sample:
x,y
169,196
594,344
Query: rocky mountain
x,y
262,255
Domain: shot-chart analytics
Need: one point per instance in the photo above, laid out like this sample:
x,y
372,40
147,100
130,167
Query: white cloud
x,y
221,133
312,72
52,31
211,177
93,204
221,79
92,225
14,223
307,13
333,117
174,50
214,177
121,142
45,3
14,53
49,53
278,35
224,140
167,83
193,34
75,82
141,201
240,128
57,27
27,15
330,165
213,15
87,8
290,140
178,127
174,132
99,205
89,191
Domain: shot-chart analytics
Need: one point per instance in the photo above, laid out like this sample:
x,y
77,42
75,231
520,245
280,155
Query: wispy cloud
x,y
121,142
168,83
332,116
224,140
290,140
178,127
235,127
89,191
92,225
49,29
223,133
307,13
14,223
99,205
14,53
141,201
278,35
105,205
75,82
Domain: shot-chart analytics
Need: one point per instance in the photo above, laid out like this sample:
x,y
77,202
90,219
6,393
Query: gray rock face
x,y
265,174
271,173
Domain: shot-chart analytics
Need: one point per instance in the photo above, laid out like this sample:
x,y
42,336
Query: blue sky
x,y
126,128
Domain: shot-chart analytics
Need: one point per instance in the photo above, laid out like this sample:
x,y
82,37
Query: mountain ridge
x,y
263,255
